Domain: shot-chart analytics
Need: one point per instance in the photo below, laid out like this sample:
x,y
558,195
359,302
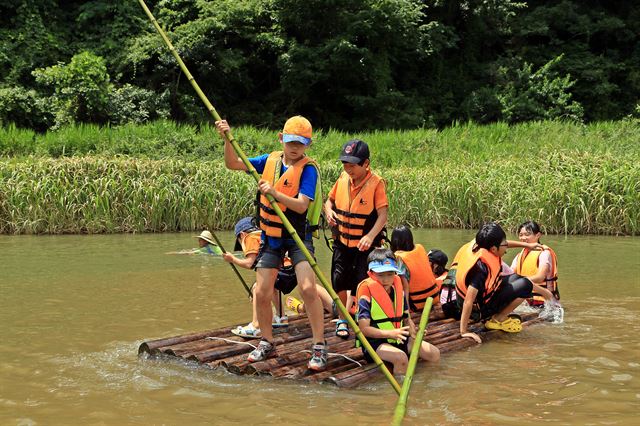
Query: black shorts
x,y
512,287
375,344
348,267
286,280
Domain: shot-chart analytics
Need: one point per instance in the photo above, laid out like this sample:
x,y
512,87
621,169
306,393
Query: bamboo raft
x,y
220,348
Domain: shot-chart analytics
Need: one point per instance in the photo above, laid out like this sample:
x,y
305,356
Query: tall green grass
x,y
412,148
577,192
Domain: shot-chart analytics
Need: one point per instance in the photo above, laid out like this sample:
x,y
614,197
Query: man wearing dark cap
x,y
357,210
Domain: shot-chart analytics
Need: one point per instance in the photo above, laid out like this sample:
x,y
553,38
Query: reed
x,y
391,148
574,193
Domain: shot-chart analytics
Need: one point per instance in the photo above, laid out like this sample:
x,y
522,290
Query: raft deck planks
x,y
220,348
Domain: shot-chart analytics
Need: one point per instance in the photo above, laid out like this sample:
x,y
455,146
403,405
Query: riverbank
x,y
572,178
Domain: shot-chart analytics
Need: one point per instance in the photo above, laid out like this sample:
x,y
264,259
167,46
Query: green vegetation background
x,y
346,64
100,132
572,178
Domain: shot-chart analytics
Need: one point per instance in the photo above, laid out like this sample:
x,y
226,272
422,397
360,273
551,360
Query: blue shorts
x,y
271,258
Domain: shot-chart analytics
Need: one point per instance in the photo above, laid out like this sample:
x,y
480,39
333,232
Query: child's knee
x,y
432,353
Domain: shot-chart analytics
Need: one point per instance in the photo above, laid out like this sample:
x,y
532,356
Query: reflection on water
x,y
74,309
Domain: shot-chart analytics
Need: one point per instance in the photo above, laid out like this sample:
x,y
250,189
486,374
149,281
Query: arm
x,y
366,241
231,159
520,244
298,204
246,263
329,213
375,333
467,307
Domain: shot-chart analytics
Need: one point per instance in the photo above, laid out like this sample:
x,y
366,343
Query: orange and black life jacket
x,y
466,262
288,184
527,264
356,216
386,314
422,283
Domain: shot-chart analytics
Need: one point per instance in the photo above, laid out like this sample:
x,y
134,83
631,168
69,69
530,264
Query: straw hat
x,y
206,235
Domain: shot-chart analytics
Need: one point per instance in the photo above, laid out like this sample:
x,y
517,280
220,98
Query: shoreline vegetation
x,y
163,176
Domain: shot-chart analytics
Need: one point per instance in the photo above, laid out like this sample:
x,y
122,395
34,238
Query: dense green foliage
x,y
572,178
346,64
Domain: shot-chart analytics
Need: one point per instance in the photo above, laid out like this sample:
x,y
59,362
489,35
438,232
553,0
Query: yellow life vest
x,y
527,264
386,314
422,282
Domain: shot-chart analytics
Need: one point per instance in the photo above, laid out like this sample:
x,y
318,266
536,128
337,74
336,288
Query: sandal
x,y
510,325
295,305
279,322
248,331
342,329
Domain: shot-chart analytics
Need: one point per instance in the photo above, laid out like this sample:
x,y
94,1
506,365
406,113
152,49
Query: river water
x,y
74,309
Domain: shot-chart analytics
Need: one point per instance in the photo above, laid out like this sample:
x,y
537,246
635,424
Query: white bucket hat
x,y
207,236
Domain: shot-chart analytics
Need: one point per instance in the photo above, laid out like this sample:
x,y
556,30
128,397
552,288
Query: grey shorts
x,y
271,258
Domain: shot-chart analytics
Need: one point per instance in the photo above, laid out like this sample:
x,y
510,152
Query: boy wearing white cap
x,y
382,308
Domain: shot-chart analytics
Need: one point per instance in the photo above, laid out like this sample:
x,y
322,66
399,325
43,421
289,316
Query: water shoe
x,y
248,331
342,329
278,322
295,305
510,325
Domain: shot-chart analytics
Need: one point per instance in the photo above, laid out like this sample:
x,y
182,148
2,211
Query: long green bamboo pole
x,y
401,406
275,207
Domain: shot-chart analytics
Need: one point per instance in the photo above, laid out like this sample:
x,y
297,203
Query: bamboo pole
x,y
275,207
401,406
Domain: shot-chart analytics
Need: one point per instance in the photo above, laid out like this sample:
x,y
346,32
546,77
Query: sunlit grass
x,y
578,192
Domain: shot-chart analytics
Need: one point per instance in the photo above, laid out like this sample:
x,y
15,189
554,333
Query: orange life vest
x,y
422,283
386,314
356,216
527,264
465,250
288,184
467,261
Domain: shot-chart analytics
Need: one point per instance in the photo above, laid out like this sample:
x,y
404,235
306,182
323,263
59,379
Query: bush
x,y
80,89
527,95
24,108
132,104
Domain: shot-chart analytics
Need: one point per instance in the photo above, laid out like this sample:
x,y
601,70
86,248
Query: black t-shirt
x,y
477,277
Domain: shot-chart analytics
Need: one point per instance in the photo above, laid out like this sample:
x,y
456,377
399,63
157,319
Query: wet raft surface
x,y
346,366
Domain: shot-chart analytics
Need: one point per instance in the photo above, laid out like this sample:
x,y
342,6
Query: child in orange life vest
x,y
357,210
382,308
248,240
480,287
416,273
288,177
540,266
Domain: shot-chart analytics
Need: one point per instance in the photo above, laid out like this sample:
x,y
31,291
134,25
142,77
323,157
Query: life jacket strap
x,y
349,225
266,208
392,319
271,223
421,292
349,214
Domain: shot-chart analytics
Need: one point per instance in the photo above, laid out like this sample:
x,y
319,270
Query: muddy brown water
x,y
74,309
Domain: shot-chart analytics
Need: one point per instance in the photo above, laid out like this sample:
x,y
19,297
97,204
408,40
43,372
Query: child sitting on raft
x,y
382,308
416,273
540,266
482,290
